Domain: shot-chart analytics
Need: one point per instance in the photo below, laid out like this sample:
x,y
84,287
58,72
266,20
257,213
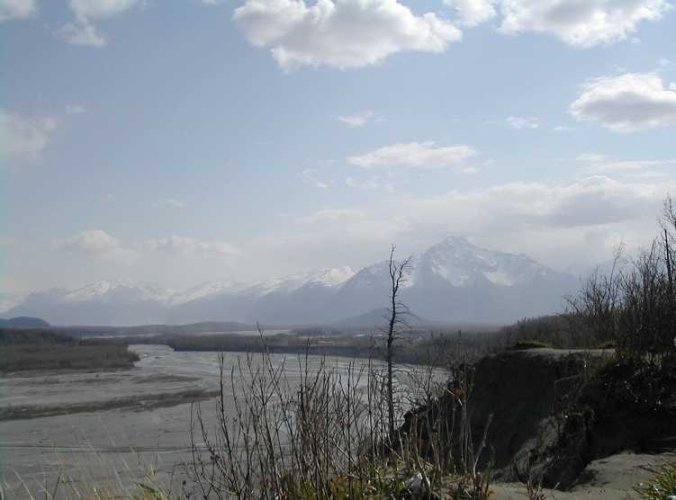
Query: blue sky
x,y
179,141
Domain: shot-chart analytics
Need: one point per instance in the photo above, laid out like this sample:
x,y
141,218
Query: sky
x,y
181,141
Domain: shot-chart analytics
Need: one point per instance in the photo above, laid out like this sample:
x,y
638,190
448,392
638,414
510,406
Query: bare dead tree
x,y
397,317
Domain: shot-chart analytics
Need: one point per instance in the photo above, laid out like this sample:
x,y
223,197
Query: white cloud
x,y
341,33
421,155
99,9
75,109
628,102
92,242
565,225
599,163
191,246
571,225
309,176
17,9
24,138
357,119
581,23
334,215
521,122
590,201
97,243
373,183
473,12
171,203
82,32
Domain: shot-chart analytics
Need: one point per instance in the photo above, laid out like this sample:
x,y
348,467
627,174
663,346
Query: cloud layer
x,y
17,9
419,155
99,244
628,102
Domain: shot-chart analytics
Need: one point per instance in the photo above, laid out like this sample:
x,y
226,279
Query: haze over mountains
x,y
453,281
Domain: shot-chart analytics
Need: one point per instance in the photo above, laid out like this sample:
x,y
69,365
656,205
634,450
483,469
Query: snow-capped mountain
x,y
207,289
118,291
453,280
327,277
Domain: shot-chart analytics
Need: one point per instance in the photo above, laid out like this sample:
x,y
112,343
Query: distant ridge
x,y
453,281
23,322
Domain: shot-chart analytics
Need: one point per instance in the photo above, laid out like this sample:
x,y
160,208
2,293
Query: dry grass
x,y
328,438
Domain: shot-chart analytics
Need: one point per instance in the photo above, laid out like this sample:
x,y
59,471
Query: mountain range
x,y
452,281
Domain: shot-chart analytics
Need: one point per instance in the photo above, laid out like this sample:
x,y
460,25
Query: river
x,y
67,432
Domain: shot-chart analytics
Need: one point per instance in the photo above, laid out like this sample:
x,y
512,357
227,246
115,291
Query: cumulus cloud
x,y
82,32
357,119
99,9
627,102
419,155
17,9
341,33
190,246
473,12
580,23
94,242
520,122
24,138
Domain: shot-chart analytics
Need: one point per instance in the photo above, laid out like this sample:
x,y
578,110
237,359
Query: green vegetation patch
x,y
529,344
662,486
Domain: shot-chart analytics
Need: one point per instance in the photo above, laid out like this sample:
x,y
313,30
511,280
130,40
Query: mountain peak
x,y
452,280
456,241
102,288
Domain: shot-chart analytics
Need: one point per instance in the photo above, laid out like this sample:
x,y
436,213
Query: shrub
x,y
662,486
529,344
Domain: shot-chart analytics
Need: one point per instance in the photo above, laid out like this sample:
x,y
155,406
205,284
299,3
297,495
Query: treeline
x,y
22,350
631,307
151,330
423,347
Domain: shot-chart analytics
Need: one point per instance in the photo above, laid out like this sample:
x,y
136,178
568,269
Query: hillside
x,y
23,322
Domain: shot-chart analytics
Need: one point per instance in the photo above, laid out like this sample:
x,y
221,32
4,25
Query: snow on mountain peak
x,y
100,289
327,277
206,289
460,263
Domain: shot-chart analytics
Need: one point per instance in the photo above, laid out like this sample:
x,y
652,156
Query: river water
x,y
66,433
